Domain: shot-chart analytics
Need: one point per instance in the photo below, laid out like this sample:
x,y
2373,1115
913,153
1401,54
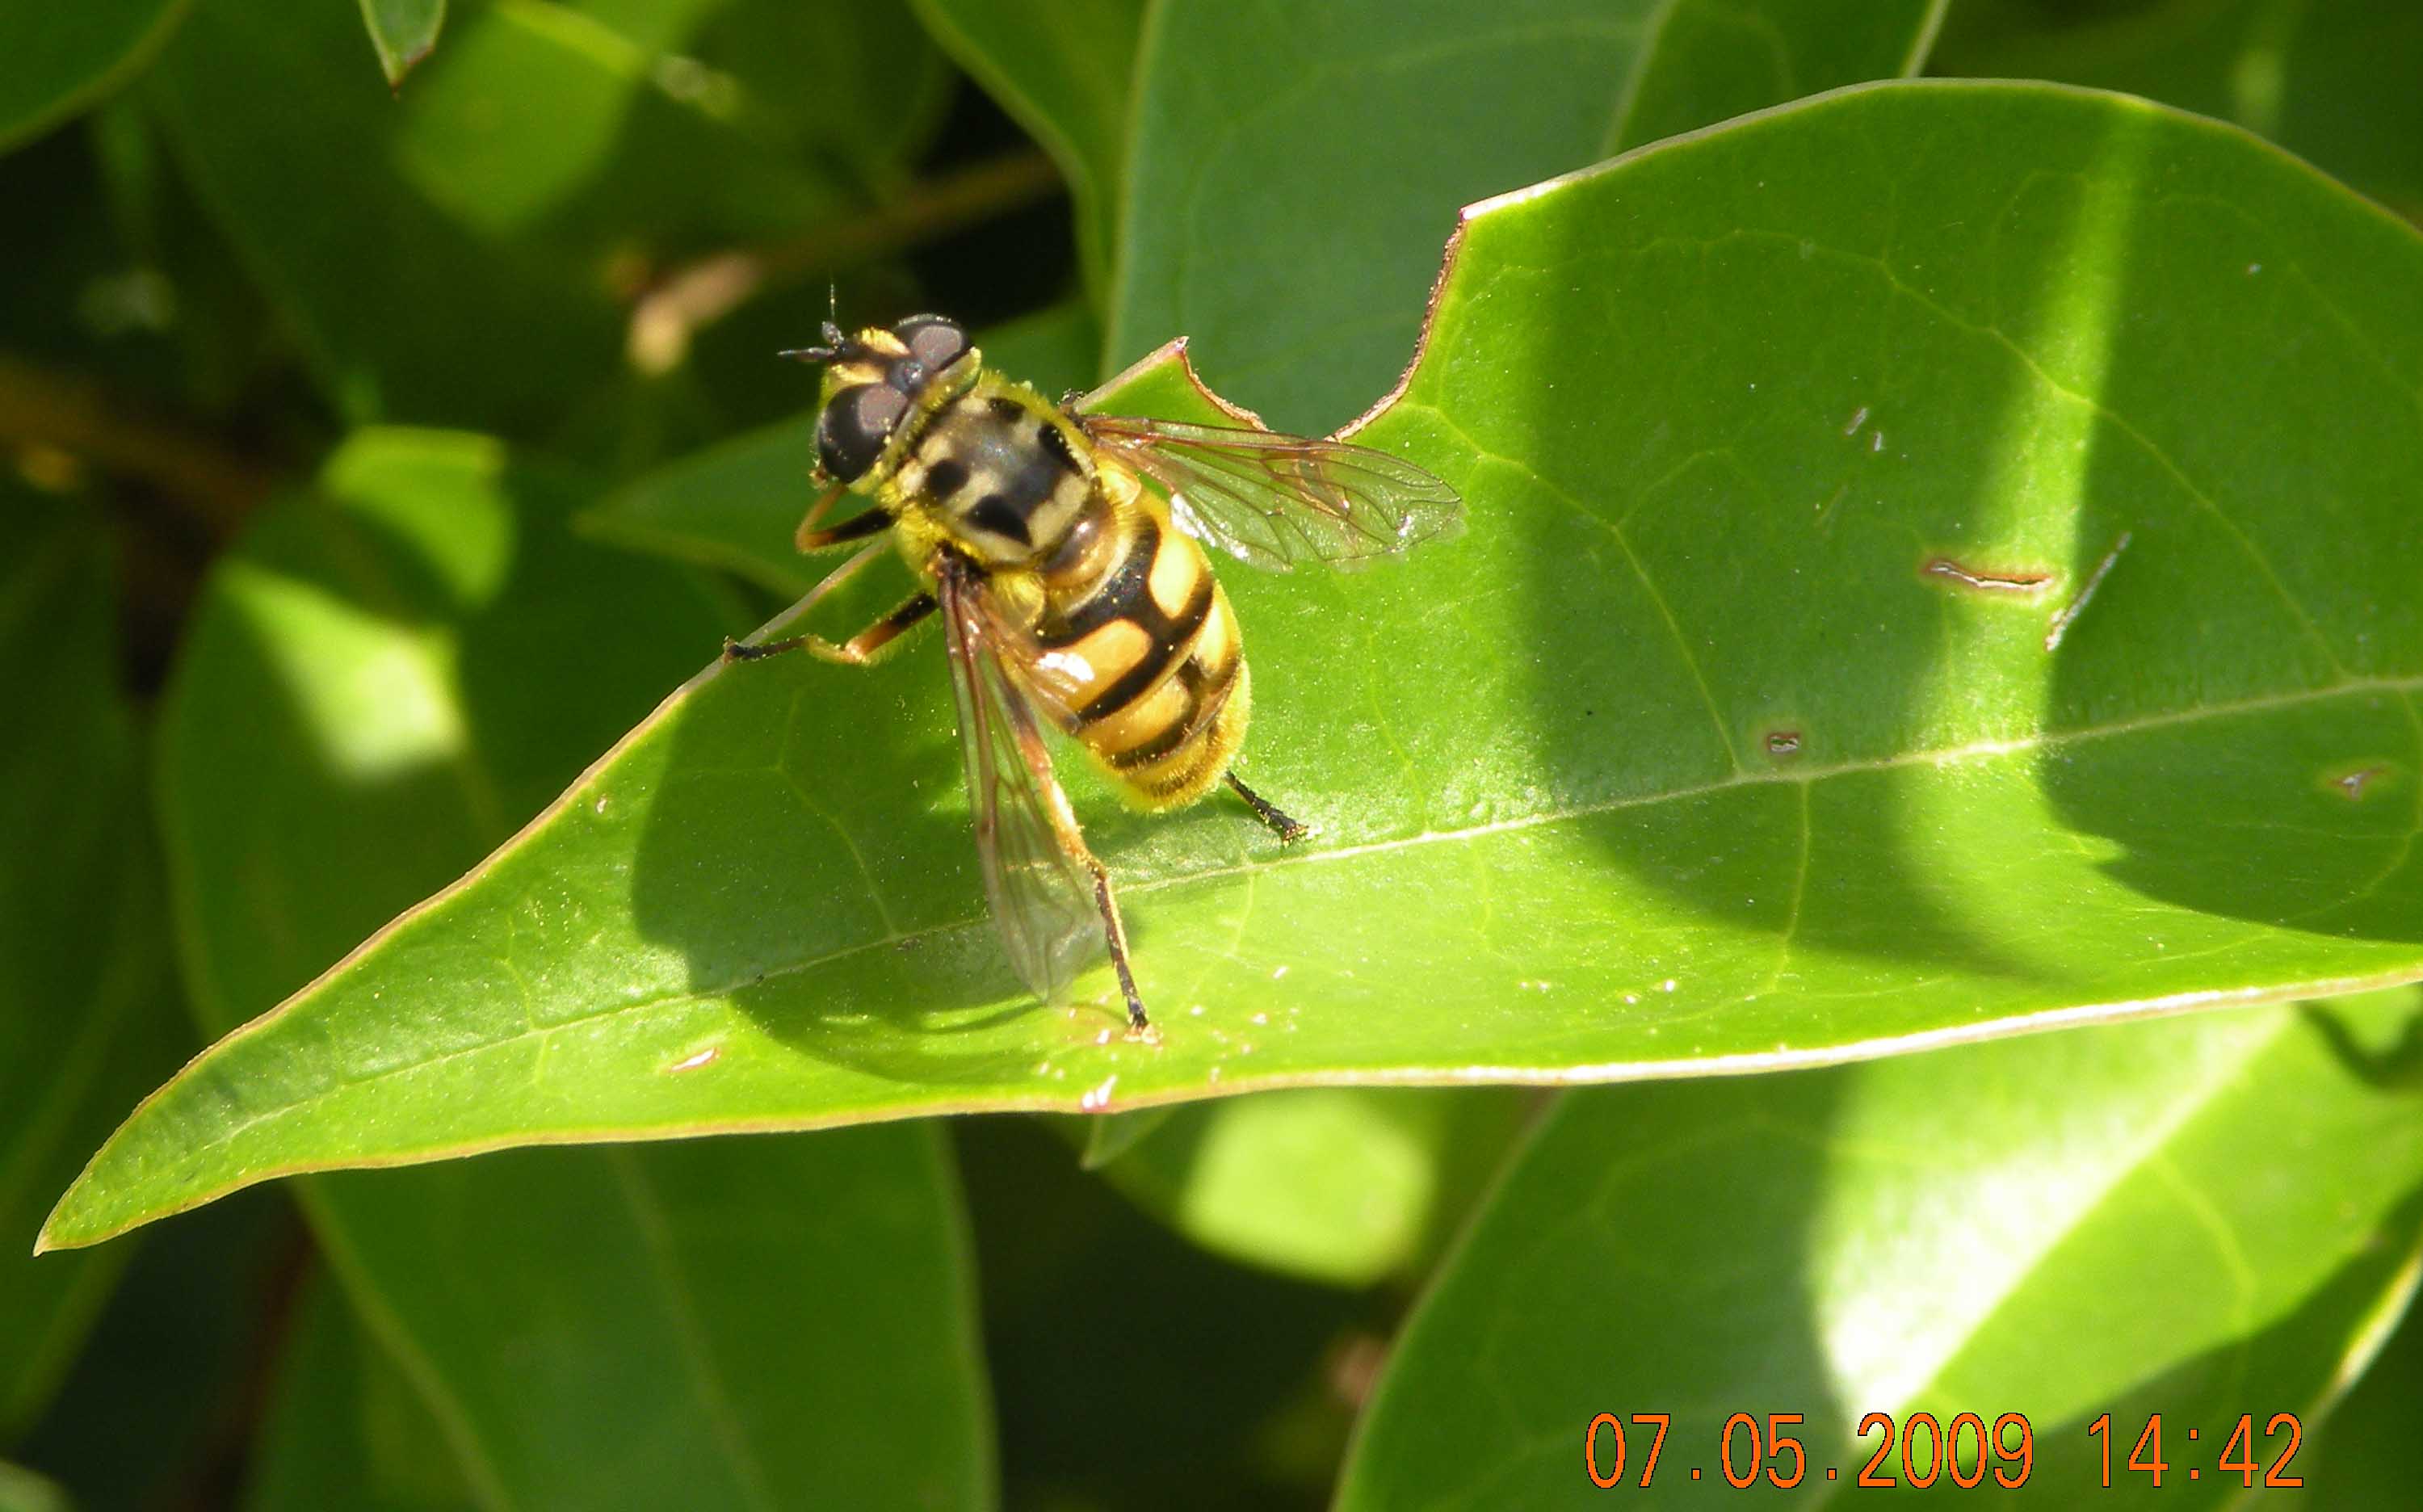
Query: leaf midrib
x,y
1808,775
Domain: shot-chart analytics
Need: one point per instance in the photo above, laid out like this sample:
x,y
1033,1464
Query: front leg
x,y
867,647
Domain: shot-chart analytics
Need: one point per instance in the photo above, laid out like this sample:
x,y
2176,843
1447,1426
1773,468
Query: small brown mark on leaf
x,y
1783,743
2353,783
2022,582
703,1058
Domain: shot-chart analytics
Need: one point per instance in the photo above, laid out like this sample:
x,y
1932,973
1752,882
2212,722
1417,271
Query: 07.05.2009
x,y
1965,1449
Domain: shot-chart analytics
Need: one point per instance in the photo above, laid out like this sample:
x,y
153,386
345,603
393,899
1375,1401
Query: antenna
x,y
837,340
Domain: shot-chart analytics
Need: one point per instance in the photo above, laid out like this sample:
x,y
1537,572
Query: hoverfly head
x,y
872,381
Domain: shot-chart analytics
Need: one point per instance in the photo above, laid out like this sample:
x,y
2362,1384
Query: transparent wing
x,y
1274,501
1042,896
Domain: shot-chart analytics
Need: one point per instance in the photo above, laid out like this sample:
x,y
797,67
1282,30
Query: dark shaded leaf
x,y
60,58
88,1006
399,310
2361,1451
1256,224
346,1428
2333,83
1066,72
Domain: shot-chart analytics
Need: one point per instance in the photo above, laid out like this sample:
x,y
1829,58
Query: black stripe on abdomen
x,y
1209,693
1169,638
1126,593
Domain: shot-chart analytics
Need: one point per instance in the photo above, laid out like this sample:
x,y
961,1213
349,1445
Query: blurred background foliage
x,y
303,297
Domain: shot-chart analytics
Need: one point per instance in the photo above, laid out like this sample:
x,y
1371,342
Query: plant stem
x,y
74,414
700,292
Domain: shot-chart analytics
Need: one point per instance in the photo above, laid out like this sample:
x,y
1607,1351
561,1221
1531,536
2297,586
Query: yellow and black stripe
x,y
1124,603
1166,693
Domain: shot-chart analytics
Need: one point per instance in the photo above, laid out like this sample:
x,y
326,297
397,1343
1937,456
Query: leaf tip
x,y
396,65
50,1238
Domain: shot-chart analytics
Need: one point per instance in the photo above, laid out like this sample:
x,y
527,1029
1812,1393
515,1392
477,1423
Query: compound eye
x,y
851,432
933,341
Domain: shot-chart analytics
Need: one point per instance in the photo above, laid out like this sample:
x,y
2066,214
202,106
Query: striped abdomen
x,y
1135,647
1160,692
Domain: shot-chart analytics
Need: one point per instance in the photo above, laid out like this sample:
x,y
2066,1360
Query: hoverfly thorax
x,y
881,387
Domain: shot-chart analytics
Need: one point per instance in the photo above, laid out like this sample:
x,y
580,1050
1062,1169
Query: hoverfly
x,y
1070,591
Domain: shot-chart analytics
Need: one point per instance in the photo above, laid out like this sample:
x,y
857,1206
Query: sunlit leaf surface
x,y
1345,1184
2201,1219
22,1491
1937,568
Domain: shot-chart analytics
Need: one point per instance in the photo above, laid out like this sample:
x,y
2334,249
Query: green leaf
x,y
376,685
1705,61
881,87
346,1428
735,505
1066,72
399,310
1289,178
22,1491
778,1322
63,57
2334,83
147,1403
2205,1216
1348,1185
1728,738
403,31
87,1011
1097,1317
2362,1453
1108,1140
467,141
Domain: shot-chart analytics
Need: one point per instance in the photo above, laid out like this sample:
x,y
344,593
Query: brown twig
x,y
72,414
700,292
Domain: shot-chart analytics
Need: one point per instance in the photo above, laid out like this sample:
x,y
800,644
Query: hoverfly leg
x,y
862,648
1115,931
868,646
856,528
1288,830
743,651
752,651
